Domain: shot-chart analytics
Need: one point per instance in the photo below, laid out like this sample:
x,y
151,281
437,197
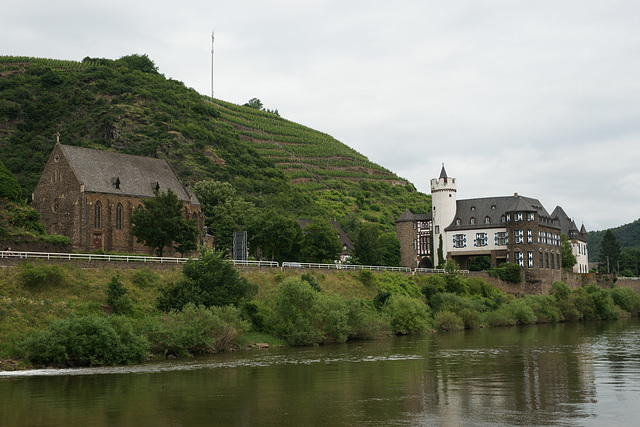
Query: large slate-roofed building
x,y
513,229
88,195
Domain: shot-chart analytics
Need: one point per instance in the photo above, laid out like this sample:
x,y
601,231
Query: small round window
x,y
56,158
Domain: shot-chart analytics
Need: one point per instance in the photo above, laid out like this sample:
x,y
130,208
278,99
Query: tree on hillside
x,y
568,258
254,103
275,237
367,246
138,62
257,104
609,252
320,243
390,250
225,211
161,224
630,262
9,187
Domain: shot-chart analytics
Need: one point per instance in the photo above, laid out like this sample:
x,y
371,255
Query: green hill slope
x,y
128,106
628,237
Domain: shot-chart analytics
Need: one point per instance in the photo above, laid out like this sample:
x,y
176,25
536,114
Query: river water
x,y
576,374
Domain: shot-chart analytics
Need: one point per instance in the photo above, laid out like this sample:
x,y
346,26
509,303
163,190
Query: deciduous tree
x,y
568,258
275,237
161,224
320,242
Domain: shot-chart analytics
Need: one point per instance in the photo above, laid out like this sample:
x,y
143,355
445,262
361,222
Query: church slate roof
x,y
124,174
494,208
568,225
408,216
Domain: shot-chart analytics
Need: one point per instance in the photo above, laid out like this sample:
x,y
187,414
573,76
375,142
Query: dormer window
x,y
157,186
473,208
503,218
116,183
457,221
487,220
472,221
493,207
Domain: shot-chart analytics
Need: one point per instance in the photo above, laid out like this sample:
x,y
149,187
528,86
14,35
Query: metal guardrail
x,y
236,263
313,265
250,263
92,257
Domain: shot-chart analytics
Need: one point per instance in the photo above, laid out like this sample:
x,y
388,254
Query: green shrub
x,y
365,322
196,330
448,321
501,317
312,281
395,284
604,307
522,312
507,272
208,281
582,301
544,307
471,318
85,341
455,283
434,284
560,291
293,317
55,239
367,278
333,318
40,275
144,278
626,298
406,314
117,297
26,218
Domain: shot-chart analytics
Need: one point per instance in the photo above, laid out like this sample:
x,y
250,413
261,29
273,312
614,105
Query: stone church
x,y
89,195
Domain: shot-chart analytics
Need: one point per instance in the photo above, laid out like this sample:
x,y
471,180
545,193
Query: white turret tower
x,y
443,210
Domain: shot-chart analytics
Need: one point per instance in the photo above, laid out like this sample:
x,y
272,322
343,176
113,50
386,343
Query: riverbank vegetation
x,y
59,315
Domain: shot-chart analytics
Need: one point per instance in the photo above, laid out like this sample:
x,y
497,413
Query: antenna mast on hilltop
x,y
212,64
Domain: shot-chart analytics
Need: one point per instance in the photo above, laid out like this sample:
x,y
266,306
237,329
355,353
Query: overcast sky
x,y
537,97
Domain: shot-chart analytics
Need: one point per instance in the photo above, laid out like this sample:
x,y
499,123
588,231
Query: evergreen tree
x,y
440,254
609,252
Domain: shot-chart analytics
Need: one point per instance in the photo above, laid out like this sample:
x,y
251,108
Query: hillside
x,y
126,105
628,237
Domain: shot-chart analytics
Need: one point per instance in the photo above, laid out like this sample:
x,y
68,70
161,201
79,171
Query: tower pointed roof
x,y
443,173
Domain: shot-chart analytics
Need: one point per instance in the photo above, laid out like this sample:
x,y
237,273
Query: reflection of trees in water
x,y
511,376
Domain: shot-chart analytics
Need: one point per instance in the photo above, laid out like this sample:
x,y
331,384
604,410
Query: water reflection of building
x,y
523,376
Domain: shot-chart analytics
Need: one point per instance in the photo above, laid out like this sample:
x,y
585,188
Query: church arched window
x,y
119,216
97,215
